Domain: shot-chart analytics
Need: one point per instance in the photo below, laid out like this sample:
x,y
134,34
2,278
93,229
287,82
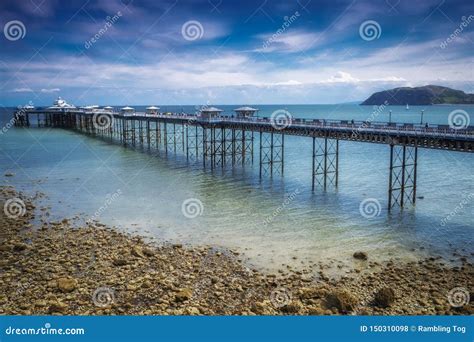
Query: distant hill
x,y
426,95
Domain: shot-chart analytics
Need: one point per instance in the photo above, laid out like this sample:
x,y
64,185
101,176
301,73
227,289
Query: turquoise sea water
x,y
80,174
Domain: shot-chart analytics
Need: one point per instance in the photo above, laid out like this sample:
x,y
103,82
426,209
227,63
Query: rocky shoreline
x,y
53,268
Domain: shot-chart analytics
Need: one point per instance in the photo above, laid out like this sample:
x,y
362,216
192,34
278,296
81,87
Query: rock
x,y
309,293
40,303
148,252
119,262
146,284
131,287
341,300
192,311
183,295
360,255
18,247
316,311
137,251
260,308
57,306
66,284
384,297
292,308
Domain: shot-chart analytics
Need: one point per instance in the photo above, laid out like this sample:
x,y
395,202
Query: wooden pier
x,y
220,141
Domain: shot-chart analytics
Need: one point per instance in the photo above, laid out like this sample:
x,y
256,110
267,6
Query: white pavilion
x,y
210,112
152,110
245,112
127,110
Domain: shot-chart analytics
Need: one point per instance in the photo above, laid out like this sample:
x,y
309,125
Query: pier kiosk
x,y
210,112
245,112
152,110
127,111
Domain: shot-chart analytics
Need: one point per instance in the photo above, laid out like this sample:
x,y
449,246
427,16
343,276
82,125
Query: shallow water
x,y
81,175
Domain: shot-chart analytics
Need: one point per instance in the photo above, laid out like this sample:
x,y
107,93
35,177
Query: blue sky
x,y
229,52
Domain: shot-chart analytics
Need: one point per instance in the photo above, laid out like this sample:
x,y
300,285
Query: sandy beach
x,y
53,268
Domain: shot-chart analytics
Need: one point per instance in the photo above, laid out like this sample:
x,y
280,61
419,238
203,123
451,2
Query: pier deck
x,y
224,140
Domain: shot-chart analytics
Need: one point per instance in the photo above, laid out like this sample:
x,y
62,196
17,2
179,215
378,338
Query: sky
x,y
202,52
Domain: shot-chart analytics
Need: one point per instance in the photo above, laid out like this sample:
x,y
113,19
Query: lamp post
x,y
389,116
422,112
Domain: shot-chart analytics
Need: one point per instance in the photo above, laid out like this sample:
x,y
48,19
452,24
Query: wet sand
x,y
55,268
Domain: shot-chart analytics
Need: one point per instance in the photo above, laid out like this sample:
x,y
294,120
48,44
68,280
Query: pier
x,y
219,141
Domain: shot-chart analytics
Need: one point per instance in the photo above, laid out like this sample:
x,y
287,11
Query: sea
x,y
273,222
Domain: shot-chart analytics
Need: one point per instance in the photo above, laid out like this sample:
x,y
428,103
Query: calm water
x,y
80,173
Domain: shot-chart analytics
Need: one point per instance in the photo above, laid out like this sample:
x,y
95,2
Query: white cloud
x,y
51,90
295,41
290,82
22,90
343,77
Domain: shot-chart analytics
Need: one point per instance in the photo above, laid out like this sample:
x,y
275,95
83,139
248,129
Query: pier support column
x,y
140,133
237,147
229,146
194,142
217,146
272,147
213,142
248,139
402,177
325,162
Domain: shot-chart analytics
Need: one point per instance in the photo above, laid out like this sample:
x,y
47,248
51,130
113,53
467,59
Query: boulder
x,y
119,262
341,300
183,295
291,308
66,284
384,297
148,252
316,311
18,247
360,255
57,306
137,251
